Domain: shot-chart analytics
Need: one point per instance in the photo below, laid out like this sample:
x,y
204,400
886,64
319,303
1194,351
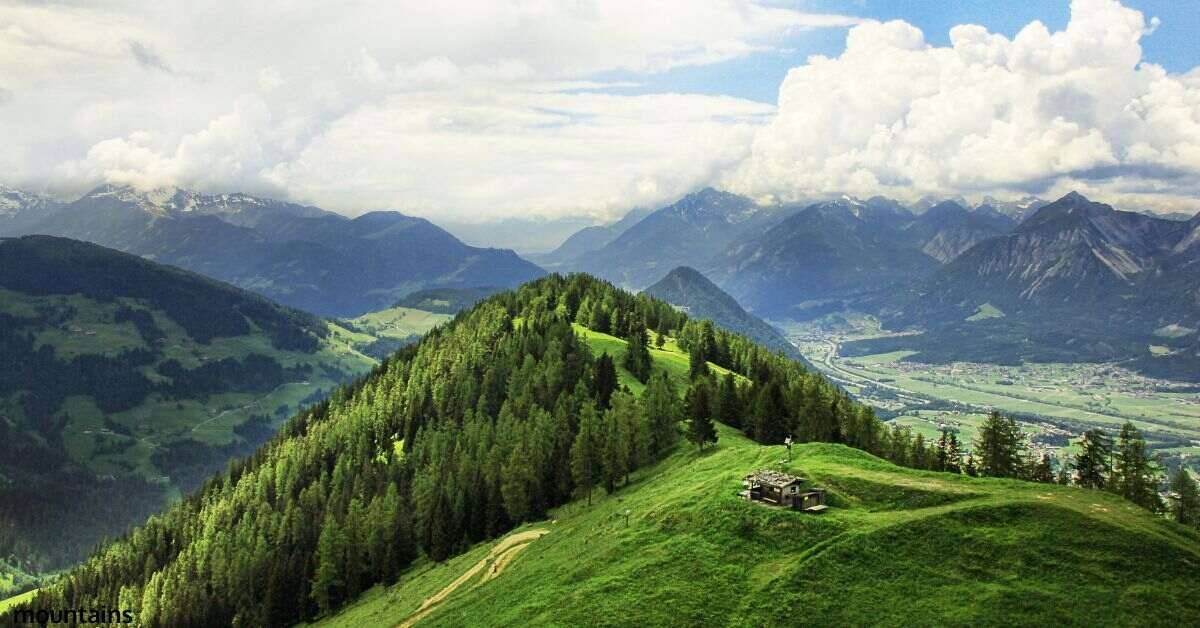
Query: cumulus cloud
x,y
465,110
1041,112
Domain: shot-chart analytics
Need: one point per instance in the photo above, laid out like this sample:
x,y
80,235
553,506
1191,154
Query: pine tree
x,y
1185,501
697,361
585,463
1092,465
663,413
942,456
517,484
1000,446
953,455
604,380
969,468
701,430
615,441
1135,475
920,453
1064,472
331,551
1042,471
729,406
637,353
634,429
769,415
659,339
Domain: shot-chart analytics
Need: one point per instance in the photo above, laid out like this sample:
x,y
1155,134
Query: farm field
x,y
1052,398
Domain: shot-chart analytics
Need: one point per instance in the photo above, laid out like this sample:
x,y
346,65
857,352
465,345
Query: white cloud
x,y
470,109
1041,112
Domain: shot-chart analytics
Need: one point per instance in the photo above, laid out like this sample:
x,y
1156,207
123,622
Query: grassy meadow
x,y
898,547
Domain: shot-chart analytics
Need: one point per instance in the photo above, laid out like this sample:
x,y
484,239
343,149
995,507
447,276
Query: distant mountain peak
x,y
13,200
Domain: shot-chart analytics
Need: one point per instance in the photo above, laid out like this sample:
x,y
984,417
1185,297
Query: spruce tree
x,y
637,353
585,454
1092,464
943,451
1135,475
1185,498
615,442
697,361
663,413
701,429
1042,471
769,414
1000,447
953,455
331,551
659,339
729,406
604,380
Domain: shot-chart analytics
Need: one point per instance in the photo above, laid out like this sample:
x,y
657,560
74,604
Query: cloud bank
x,y
1042,112
496,109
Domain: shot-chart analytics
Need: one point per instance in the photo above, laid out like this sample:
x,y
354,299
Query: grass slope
x,y
899,547
669,358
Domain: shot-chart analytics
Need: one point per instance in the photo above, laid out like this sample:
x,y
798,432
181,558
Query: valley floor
x,y
1055,402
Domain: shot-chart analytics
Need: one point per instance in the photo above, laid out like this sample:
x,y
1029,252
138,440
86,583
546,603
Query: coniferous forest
x,y
487,422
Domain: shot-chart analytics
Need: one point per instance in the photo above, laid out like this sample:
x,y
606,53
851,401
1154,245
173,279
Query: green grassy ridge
x,y
981,551
670,358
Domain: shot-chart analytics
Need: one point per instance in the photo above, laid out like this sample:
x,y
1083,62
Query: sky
x,y
479,111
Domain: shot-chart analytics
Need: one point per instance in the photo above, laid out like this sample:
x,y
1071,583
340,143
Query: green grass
x,y
669,358
5,604
399,322
984,312
898,547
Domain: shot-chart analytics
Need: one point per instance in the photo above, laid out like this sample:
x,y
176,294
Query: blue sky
x,y
1172,45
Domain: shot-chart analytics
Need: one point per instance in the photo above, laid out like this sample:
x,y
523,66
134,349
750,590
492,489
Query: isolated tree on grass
x,y
1135,476
659,339
1092,465
1185,505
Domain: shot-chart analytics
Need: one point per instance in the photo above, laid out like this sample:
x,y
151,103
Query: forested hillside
x,y
489,421
125,382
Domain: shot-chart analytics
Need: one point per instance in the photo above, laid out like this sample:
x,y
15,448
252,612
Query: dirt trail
x,y
499,558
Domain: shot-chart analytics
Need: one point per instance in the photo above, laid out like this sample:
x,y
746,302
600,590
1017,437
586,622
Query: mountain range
x,y
1068,280
296,255
1077,280
590,238
685,233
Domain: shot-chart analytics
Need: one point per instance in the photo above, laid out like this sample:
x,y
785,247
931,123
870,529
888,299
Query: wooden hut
x,y
782,489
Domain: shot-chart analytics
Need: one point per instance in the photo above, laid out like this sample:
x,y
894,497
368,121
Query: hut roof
x,y
772,478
